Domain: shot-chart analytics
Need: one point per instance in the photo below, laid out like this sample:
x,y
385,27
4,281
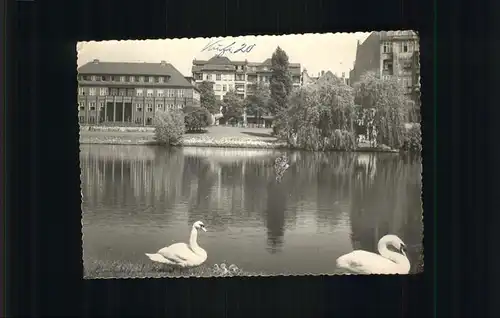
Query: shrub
x,y
412,141
197,119
169,127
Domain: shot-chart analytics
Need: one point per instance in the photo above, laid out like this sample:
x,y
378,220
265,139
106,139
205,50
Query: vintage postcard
x,y
252,155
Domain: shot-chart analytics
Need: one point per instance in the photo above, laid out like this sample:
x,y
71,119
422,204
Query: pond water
x,y
137,199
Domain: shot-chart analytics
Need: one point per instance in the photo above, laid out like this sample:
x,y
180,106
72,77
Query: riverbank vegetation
x,y
122,269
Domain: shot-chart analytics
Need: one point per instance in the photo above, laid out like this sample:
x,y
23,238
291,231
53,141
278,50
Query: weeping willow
x,y
320,117
384,109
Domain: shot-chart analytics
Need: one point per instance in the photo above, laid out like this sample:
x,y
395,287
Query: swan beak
x,y
204,229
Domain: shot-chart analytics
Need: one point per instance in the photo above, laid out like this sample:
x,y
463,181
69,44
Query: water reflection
x,y
137,198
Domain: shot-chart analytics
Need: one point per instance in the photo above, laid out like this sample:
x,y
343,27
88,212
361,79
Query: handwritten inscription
x,y
223,48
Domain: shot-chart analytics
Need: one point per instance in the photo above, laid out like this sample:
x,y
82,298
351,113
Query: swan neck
x,y
193,242
193,238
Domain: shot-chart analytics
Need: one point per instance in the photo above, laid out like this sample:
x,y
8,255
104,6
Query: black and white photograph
x,y
251,156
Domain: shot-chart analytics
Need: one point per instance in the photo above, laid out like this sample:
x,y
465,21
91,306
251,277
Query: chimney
x,y
322,73
95,61
163,63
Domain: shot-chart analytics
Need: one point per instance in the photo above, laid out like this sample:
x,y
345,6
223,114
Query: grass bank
x,y
117,269
215,136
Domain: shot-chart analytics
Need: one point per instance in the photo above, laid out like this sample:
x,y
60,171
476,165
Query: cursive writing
x,y
232,48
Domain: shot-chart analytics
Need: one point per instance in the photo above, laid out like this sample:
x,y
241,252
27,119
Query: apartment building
x,y
392,53
131,93
240,76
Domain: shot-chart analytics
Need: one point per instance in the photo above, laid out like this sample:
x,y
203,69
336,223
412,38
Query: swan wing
x,y
363,262
178,253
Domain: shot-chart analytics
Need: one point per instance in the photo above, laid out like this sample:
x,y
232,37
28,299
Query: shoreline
x,y
145,137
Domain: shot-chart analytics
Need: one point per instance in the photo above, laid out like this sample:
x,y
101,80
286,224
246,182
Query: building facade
x,y
392,53
131,93
240,76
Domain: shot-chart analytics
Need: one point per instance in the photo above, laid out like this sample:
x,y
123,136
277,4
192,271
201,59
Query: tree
x,y
384,107
169,127
281,81
257,104
232,106
320,117
197,118
207,97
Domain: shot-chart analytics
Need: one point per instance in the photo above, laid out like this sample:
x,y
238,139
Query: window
x,y
410,46
122,92
98,78
198,76
92,105
141,79
386,47
130,92
86,77
224,88
101,105
103,78
159,93
405,47
122,79
103,91
92,91
386,77
81,91
170,106
149,107
138,107
81,105
209,77
180,93
138,120
179,106
92,78
115,78
217,87
217,77
131,79
170,93
114,92
149,93
139,92
81,119
151,79
159,106
160,79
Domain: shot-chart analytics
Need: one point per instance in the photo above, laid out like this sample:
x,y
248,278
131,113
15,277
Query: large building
x,y
131,93
392,53
240,76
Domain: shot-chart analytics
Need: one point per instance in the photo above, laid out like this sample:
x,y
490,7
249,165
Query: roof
x,y
219,60
145,69
223,63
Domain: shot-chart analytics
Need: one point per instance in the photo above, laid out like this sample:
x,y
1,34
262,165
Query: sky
x,y
315,52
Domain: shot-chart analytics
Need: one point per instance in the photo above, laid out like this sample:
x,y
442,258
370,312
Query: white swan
x,y
388,262
182,254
